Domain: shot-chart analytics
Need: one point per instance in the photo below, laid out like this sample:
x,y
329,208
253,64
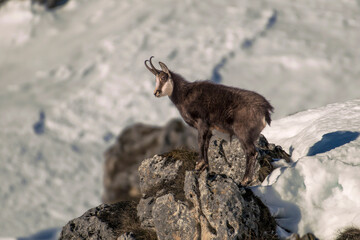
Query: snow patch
x,y
15,23
320,192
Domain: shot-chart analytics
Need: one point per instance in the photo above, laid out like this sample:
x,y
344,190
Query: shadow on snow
x,y
332,140
48,234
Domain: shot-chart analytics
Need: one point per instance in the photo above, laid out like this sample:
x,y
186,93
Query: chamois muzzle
x,y
157,93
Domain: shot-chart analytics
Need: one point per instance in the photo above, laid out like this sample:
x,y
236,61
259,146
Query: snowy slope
x,y
320,191
71,79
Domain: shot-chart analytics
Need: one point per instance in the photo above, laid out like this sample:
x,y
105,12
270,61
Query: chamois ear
x,y
164,68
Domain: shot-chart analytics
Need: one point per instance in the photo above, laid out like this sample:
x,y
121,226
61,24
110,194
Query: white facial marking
x,y
167,88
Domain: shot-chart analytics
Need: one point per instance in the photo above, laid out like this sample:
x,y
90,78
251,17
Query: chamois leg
x,y
250,164
206,147
204,135
247,137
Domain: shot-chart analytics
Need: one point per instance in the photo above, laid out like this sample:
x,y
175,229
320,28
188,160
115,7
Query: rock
x,y
225,208
228,158
181,204
107,221
166,173
127,236
173,219
135,143
215,207
230,211
161,175
144,210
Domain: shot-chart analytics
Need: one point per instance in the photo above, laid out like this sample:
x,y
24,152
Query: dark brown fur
x,y
206,106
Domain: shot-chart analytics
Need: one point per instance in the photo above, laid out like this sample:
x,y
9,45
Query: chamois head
x,y
164,83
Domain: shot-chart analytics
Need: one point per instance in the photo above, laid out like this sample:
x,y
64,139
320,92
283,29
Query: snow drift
x,y
320,191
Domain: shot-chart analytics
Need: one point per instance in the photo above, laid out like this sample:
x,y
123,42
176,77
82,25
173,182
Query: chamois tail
x,y
268,110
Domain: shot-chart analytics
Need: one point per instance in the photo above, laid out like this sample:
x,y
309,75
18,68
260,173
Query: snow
x,y
14,21
73,78
320,191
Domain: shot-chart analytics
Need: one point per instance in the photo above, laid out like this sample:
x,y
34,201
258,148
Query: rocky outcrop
x,y
179,203
115,221
135,143
215,207
228,158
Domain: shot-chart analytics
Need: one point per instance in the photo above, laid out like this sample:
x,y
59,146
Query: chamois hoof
x,y
246,182
201,166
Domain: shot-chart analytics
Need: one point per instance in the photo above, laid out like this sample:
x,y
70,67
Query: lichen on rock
x,y
107,221
179,203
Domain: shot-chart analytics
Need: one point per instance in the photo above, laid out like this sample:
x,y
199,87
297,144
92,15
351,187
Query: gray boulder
x,y
215,207
173,219
134,144
179,203
228,158
162,175
107,221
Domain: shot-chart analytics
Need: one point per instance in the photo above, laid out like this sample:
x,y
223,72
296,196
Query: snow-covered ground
x,y
72,78
320,191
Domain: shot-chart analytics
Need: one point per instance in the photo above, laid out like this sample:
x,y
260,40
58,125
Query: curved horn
x,y
152,69
157,71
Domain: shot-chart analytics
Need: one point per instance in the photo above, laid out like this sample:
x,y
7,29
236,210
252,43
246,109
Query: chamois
x,y
208,106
